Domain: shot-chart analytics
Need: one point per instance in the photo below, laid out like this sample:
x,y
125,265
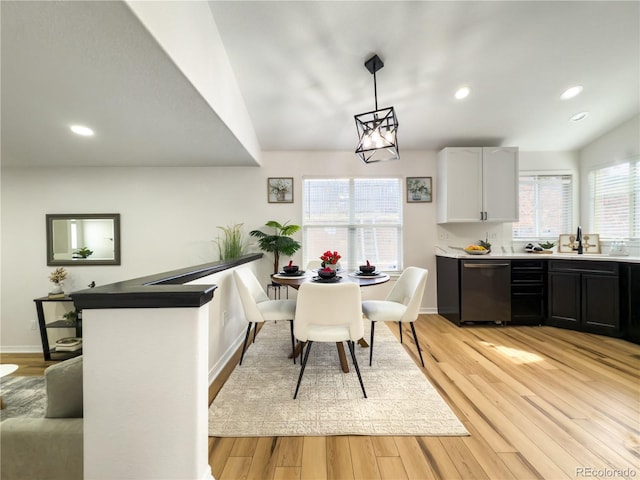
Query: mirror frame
x,y
50,217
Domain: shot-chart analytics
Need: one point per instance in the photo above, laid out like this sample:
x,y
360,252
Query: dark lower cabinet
x,y
584,296
630,306
528,292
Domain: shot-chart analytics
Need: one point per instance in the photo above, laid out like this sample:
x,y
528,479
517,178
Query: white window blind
x,y
615,197
360,218
545,206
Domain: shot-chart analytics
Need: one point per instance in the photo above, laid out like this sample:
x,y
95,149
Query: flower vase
x,y
331,266
57,288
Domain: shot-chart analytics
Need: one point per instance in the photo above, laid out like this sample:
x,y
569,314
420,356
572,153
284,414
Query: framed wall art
x,y
590,243
280,189
419,189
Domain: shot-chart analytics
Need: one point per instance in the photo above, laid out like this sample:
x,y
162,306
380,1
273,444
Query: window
x,y
361,218
615,200
545,206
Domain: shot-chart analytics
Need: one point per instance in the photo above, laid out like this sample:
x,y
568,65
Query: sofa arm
x,y
64,389
41,448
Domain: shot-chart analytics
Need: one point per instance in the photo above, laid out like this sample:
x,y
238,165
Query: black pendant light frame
x,y
377,129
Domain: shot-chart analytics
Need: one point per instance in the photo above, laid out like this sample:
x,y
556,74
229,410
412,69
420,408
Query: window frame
x,y
351,226
572,199
634,217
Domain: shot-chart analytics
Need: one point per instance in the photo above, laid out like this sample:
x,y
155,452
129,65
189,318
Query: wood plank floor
x,y
539,403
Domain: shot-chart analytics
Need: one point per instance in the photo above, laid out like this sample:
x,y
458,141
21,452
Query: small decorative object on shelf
x,y
56,277
68,344
71,317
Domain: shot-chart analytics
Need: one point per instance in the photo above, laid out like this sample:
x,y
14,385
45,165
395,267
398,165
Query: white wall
x,y
168,221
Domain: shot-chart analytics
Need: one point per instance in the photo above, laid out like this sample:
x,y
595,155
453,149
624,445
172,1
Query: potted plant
x,y
232,244
280,242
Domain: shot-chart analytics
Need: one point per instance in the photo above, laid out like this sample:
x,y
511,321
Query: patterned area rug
x,y
257,399
23,397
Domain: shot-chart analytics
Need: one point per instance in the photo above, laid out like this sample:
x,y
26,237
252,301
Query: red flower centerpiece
x,y
330,259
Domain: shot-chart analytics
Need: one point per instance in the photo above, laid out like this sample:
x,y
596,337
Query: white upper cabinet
x,y
477,184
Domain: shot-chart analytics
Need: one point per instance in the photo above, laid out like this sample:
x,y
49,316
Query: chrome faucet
x,y
579,240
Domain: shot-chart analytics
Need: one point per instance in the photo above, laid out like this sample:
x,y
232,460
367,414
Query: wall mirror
x,y
83,239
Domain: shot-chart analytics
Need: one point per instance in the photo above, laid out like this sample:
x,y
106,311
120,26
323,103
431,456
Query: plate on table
x,y
299,273
319,279
366,275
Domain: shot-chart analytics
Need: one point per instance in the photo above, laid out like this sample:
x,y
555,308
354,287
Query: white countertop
x,y
452,253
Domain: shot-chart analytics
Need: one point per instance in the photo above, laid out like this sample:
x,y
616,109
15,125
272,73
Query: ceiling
x,y
299,68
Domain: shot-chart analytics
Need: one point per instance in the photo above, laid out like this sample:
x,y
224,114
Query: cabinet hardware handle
x,y
484,265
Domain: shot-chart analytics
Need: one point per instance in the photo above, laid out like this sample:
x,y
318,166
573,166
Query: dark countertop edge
x,y
161,290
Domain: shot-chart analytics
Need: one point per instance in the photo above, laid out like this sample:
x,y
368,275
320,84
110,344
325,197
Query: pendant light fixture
x,y
378,129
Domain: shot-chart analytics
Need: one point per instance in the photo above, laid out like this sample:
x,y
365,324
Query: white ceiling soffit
x,y
94,63
300,68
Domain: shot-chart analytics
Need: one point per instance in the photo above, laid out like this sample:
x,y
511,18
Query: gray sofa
x,y
51,447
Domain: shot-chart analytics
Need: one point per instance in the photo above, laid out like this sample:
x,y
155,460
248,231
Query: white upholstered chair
x,y
401,305
258,308
316,322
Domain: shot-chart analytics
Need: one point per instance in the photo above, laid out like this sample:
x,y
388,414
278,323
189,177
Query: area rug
x,y
23,397
257,399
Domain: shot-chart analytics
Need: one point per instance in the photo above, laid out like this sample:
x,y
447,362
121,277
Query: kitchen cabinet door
x,y
477,184
500,184
600,303
459,185
564,300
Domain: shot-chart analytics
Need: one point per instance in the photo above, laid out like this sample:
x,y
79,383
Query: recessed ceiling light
x,y
571,92
579,116
462,92
81,130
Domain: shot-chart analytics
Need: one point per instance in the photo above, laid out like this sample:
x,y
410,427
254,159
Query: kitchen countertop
x,y
453,253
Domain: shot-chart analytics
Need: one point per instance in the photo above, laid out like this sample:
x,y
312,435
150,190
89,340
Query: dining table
x,y
294,280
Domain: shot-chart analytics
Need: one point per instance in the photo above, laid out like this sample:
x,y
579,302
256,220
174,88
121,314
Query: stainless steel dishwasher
x,y
486,291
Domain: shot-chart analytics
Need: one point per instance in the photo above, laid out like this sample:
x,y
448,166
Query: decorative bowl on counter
x,y
476,252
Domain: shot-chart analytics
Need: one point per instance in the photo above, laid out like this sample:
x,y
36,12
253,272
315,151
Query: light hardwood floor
x,y
539,403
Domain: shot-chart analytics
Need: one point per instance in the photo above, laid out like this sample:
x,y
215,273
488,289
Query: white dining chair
x,y
315,321
402,305
258,308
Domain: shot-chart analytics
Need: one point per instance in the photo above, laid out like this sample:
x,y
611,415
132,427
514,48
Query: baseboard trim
x,y
21,349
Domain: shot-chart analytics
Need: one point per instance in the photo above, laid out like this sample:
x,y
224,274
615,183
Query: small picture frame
x,y
280,189
419,189
590,243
